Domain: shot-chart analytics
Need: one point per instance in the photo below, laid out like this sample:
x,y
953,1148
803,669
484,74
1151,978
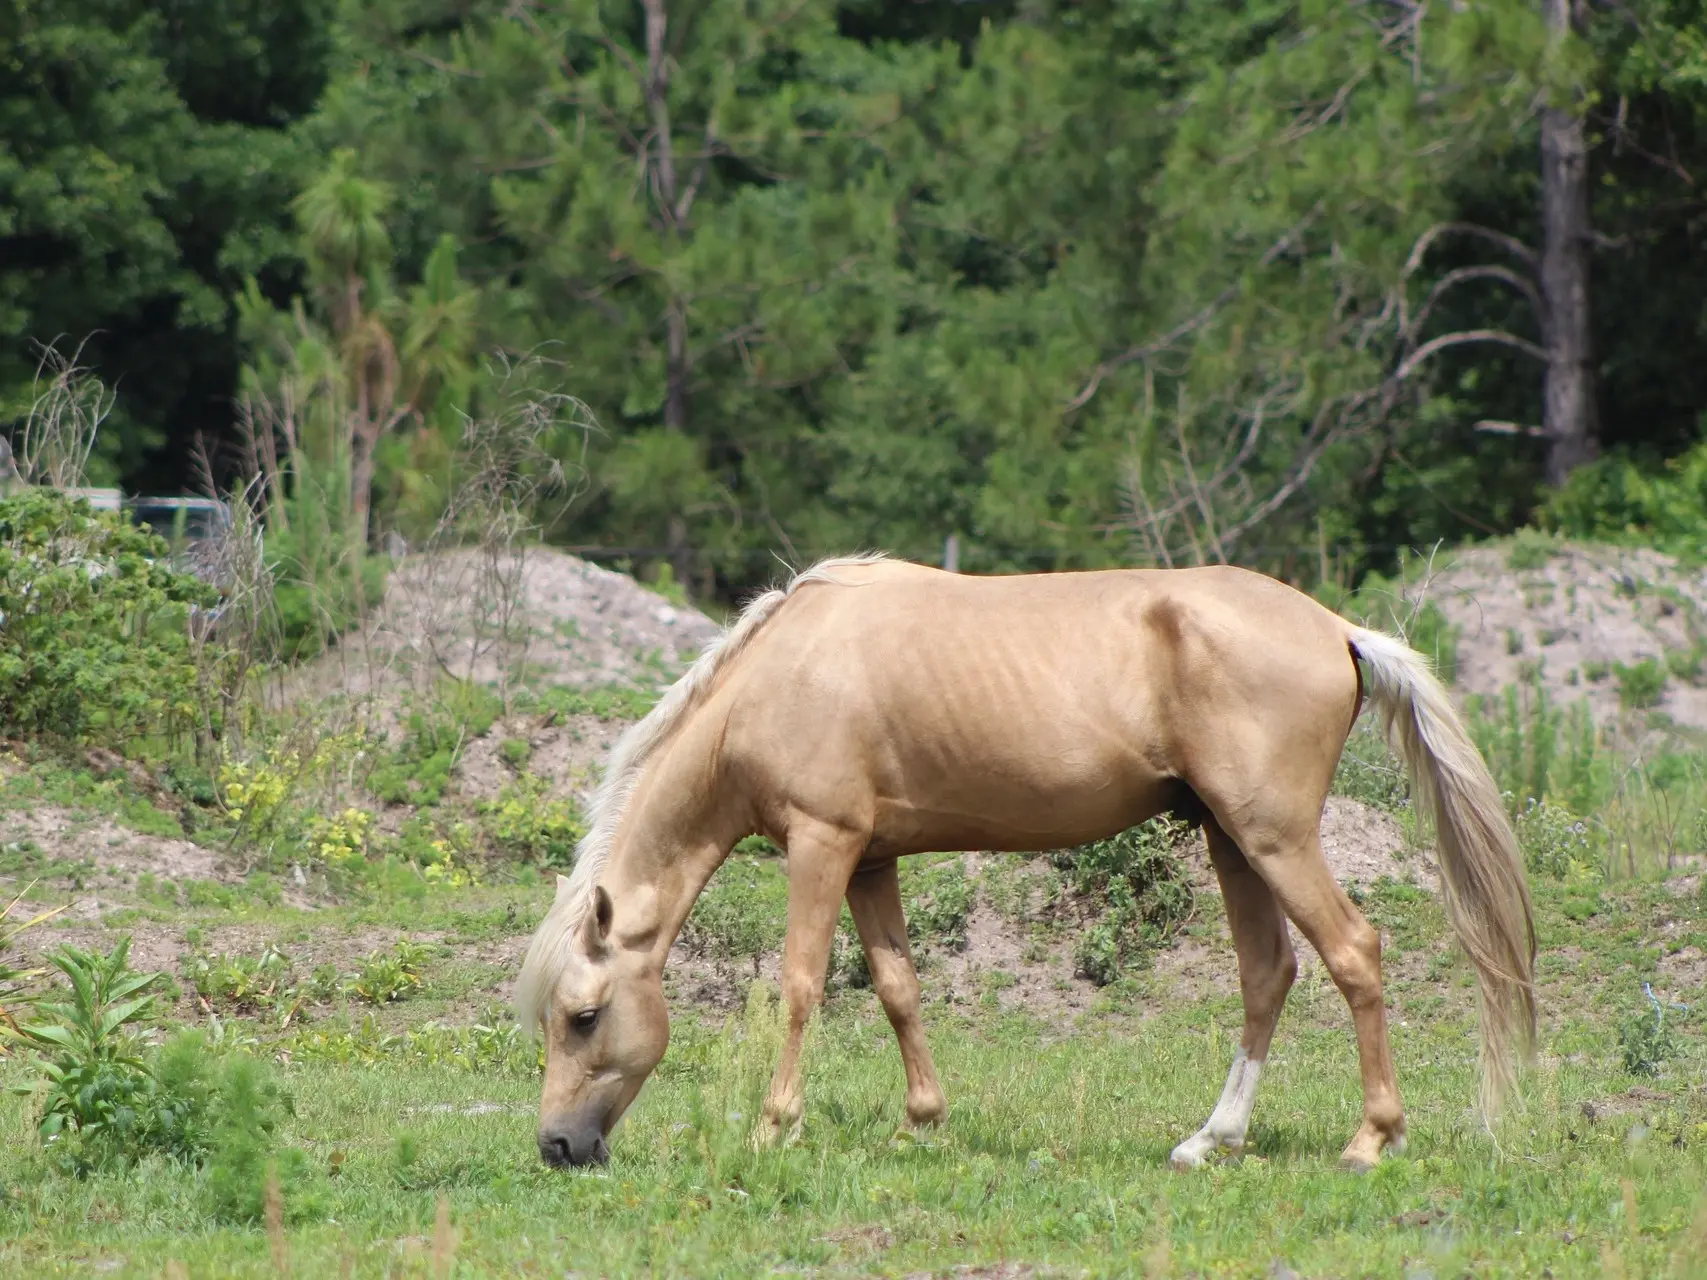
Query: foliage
x,y
96,1078
245,984
937,898
1137,891
147,166
525,822
741,914
1555,842
387,976
94,641
483,1048
1645,1039
15,997
1640,684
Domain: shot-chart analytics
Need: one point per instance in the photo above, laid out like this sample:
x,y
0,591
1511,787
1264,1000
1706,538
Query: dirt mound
x,y
537,614
1570,614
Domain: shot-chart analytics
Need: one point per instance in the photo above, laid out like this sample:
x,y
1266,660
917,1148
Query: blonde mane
x,y
551,949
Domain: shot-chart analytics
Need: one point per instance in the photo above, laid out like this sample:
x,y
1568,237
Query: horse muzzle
x,y
573,1146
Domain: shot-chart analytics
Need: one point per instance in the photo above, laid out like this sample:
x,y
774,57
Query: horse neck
x,y
680,825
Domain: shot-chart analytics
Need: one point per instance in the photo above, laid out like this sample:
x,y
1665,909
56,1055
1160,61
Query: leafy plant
x,y
1554,841
245,984
95,644
741,915
387,976
1641,684
1645,1040
94,1072
526,823
1137,891
14,997
938,901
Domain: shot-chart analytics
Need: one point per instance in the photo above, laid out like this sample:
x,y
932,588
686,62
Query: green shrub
x,y
1645,1041
1554,841
1531,549
1138,890
94,626
1641,684
96,1078
387,976
742,914
527,824
245,984
938,901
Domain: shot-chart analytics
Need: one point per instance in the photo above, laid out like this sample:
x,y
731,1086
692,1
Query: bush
x,y
742,914
94,627
108,1102
96,1080
525,823
1645,1040
1554,841
1139,892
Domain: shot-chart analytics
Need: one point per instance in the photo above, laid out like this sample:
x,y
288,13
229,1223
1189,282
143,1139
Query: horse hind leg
x,y
874,900
1350,948
1267,967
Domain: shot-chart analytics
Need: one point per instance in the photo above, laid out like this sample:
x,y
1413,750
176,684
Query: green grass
x,y
1054,1154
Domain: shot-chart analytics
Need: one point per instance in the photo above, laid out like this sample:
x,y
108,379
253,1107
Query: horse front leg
x,y
874,899
821,858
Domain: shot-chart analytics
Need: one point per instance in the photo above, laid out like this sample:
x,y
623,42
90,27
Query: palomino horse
x,y
874,708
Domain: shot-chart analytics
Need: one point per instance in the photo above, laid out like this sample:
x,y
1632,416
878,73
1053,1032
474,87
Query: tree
x,y
1570,419
372,358
145,168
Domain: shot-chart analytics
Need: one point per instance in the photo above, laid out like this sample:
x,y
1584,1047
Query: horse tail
x,y
1483,886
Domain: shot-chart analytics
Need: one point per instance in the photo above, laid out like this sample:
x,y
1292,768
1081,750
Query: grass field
x,y
1053,1159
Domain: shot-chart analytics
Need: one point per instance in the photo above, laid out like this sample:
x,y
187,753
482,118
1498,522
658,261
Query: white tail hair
x,y
550,949
1483,886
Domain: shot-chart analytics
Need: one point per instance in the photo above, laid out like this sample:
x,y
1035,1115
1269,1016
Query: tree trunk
x,y
676,361
1570,416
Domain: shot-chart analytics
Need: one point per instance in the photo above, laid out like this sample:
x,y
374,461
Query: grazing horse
x,y
874,708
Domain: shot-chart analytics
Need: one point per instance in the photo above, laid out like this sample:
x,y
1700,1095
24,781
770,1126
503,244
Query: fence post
x,y
951,553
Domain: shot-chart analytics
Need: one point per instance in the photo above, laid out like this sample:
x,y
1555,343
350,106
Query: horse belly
x,y
1004,779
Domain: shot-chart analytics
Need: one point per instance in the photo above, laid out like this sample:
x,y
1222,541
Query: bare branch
x,y
1460,338
1511,244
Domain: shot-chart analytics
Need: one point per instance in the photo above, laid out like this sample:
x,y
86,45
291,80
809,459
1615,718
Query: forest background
x,y
1295,285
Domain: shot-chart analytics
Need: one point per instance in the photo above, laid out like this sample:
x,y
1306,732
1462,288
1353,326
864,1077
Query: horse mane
x,y
551,949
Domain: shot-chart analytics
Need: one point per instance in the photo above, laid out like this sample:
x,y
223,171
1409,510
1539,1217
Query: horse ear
x,y
597,926
562,887
602,910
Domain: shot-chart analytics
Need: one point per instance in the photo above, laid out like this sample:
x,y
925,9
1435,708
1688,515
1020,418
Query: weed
x,y
487,1047
938,900
1640,685
245,984
1513,641
1139,892
1555,842
528,824
1646,1041
1531,549
95,1076
387,976
515,752
742,913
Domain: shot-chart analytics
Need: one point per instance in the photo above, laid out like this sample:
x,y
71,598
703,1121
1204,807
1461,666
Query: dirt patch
x,y
568,756
538,615
116,851
1570,619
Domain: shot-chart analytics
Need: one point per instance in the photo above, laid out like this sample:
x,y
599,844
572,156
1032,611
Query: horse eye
x,y
584,1020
